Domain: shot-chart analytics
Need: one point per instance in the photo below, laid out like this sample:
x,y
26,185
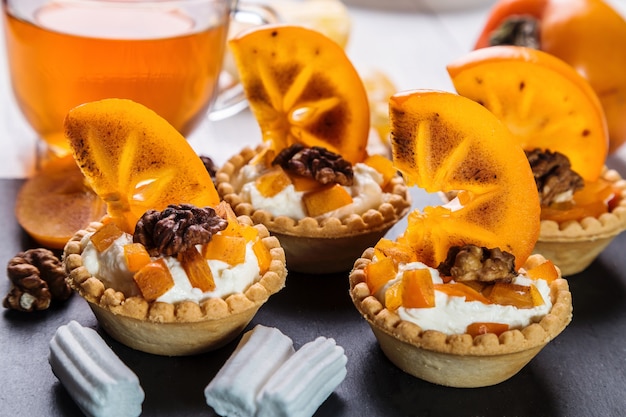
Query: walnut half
x,y
177,228
553,175
37,277
473,263
315,162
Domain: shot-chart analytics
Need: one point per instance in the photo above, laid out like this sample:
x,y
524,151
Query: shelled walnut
x,y
553,175
473,263
177,228
316,162
37,277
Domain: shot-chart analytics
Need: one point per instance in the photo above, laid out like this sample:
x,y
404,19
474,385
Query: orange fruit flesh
x,y
479,328
55,203
546,271
541,99
135,160
445,142
302,88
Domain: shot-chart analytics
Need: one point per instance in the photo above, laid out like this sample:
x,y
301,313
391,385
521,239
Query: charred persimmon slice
x,y
135,160
56,202
445,142
302,88
543,101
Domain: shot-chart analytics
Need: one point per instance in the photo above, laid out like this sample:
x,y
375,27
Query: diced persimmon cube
x,y
536,296
263,256
511,294
417,289
154,280
325,200
476,329
249,233
136,256
272,182
546,271
105,236
393,296
197,269
399,252
383,165
305,184
378,273
229,249
454,289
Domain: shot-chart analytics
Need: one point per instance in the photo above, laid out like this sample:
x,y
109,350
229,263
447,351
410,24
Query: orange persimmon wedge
x,y
462,290
154,279
541,99
418,290
136,256
302,88
135,160
545,270
445,142
326,199
380,273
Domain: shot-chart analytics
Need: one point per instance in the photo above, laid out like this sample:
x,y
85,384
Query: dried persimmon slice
x,y
302,88
444,142
135,160
55,202
543,101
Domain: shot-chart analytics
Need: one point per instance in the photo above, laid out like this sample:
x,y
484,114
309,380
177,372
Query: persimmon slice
x,y
135,160
55,203
445,142
302,88
541,99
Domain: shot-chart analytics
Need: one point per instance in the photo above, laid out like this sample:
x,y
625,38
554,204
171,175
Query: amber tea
x,y
63,54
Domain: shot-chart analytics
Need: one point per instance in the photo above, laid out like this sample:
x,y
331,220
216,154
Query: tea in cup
x,y
166,55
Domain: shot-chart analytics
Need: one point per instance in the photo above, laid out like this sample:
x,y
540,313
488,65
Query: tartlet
x,y
458,360
574,244
314,245
173,329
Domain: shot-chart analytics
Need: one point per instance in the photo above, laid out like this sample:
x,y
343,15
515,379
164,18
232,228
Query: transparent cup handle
x,y
231,98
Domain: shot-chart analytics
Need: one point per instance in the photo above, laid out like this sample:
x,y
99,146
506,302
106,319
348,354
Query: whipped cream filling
x,y
452,315
110,267
366,193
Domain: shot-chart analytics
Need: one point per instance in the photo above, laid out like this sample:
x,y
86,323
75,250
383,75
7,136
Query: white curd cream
x,y
452,315
366,193
110,267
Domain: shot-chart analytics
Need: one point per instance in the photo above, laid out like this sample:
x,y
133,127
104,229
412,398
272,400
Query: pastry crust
x,y
458,360
335,242
573,245
177,329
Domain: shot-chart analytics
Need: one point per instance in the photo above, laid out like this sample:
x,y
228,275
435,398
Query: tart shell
x,y
180,329
458,360
317,246
574,245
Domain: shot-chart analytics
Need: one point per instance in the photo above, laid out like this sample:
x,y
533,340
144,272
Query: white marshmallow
x,y
304,381
98,381
233,391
